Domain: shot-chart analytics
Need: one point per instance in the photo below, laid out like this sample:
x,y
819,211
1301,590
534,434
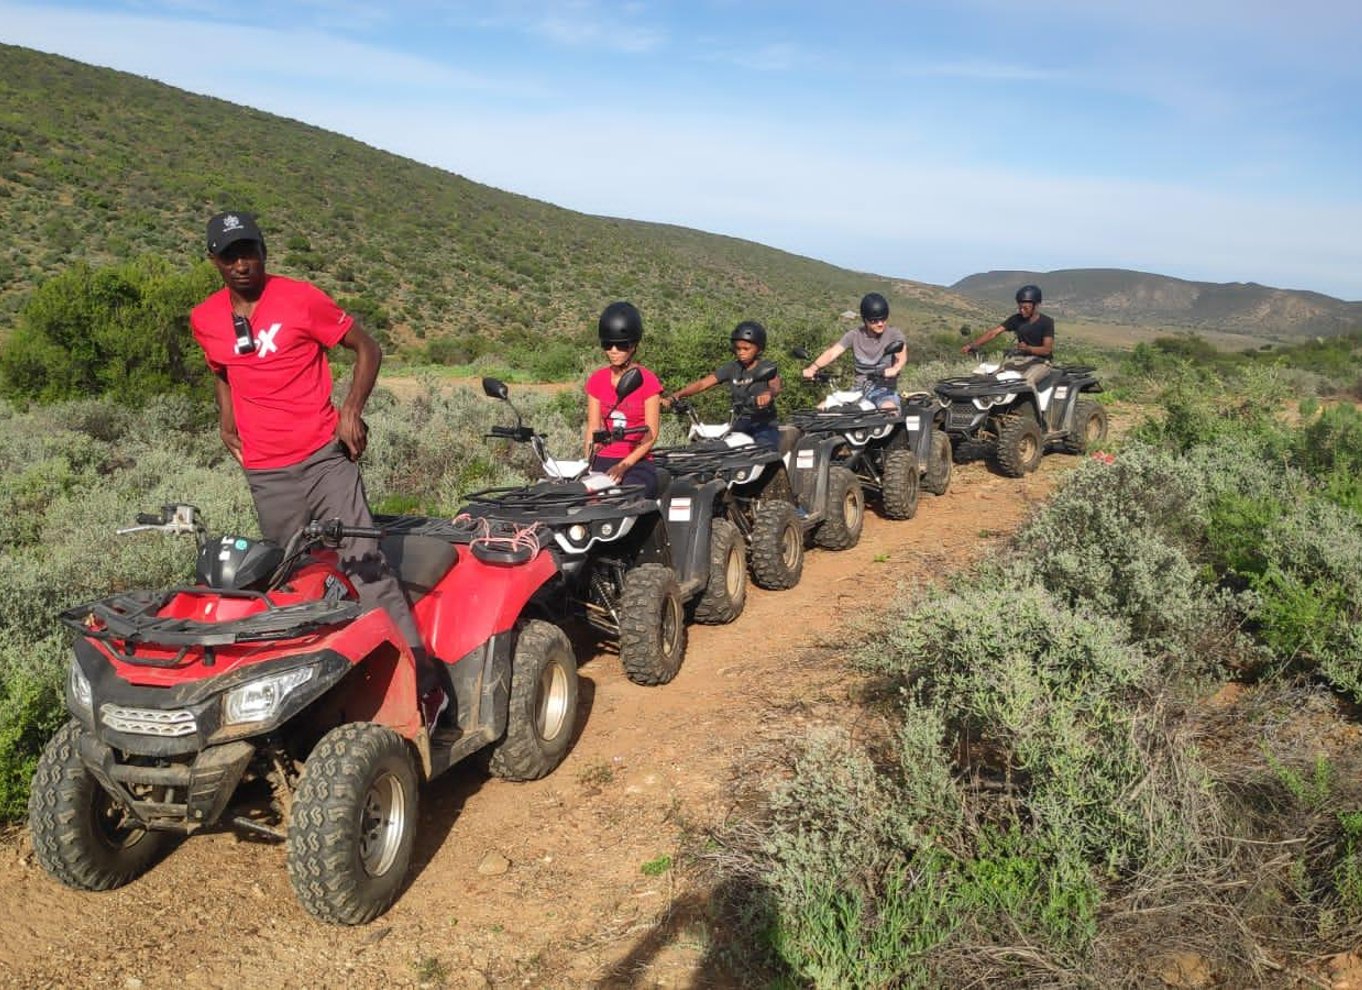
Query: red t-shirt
x,y
281,391
630,411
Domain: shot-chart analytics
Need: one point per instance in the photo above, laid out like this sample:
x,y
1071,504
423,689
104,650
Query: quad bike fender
x,y
476,600
690,514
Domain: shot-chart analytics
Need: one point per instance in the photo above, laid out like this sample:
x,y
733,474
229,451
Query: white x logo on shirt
x,y
264,340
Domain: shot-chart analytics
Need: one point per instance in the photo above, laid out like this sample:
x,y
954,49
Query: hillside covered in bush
x,y
102,167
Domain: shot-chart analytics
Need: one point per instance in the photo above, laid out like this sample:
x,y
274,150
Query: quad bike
x,y
893,453
829,503
626,564
264,697
998,408
752,501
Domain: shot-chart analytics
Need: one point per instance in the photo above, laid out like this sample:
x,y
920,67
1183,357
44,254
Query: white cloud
x,y
221,59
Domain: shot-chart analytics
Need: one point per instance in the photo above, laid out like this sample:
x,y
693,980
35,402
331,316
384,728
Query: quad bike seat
x,y
418,561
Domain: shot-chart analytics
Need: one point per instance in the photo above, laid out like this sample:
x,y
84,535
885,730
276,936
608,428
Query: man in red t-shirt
x,y
266,338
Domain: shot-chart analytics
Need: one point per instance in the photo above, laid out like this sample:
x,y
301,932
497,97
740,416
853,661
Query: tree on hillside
x,y
121,331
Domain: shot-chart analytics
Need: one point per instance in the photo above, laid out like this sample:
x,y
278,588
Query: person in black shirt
x,y
755,401
1035,336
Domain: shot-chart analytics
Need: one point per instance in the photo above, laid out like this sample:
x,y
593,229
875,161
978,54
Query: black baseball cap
x,y
226,229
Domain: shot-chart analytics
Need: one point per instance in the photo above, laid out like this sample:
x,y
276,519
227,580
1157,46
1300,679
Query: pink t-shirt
x,y
628,413
281,391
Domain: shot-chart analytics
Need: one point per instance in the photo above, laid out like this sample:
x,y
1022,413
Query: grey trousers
x,y
327,485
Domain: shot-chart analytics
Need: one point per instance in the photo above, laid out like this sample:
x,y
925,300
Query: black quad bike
x,y
265,698
999,409
627,565
893,454
753,501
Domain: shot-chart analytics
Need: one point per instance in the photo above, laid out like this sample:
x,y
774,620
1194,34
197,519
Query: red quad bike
x,y
265,698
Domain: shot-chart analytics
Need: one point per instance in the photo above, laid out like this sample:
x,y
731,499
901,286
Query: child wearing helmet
x,y
751,383
1035,332
868,344
629,460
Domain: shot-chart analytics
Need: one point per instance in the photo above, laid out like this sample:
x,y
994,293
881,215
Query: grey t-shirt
x,y
868,349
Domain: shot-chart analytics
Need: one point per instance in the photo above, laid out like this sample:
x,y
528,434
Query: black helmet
x,y
1029,293
874,307
620,323
750,331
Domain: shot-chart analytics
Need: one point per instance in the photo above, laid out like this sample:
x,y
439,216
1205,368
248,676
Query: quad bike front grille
x,y
960,417
148,721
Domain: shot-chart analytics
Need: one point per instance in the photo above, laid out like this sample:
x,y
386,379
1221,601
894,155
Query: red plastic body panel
x,y
475,601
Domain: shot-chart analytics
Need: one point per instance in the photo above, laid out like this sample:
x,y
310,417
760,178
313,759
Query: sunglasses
x,y
617,347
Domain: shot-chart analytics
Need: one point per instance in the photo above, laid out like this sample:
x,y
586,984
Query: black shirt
x,y
743,388
1033,332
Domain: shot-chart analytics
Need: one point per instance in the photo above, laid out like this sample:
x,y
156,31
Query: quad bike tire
x,y
542,711
652,625
841,530
940,463
79,835
1020,444
726,592
898,497
353,824
1090,427
777,545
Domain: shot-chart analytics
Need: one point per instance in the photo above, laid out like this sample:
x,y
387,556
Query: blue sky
x,y
1206,139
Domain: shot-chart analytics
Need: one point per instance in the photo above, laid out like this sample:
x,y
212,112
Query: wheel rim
x,y
851,508
735,569
671,625
791,541
382,823
1027,448
551,706
1093,431
107,823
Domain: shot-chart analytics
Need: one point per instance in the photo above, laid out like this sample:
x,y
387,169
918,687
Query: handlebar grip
x,y
362,532
149,519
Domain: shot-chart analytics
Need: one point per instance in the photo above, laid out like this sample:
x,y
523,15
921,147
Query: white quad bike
x,y
892,454
1017,421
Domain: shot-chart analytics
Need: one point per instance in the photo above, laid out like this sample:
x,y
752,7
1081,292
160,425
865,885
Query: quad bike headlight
x,y
578,533
78,685
259,700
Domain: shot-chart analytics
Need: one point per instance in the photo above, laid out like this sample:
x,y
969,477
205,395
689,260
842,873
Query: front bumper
x,y
177,796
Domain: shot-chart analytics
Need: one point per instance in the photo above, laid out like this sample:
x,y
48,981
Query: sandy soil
x,y
539,884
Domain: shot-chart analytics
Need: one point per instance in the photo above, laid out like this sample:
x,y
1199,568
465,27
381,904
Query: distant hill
x,y
101,166
1118,295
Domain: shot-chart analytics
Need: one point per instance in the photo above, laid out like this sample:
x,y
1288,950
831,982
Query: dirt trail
x,y
538,884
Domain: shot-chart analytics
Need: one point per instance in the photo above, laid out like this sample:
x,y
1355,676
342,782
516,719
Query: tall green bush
x,y
121,331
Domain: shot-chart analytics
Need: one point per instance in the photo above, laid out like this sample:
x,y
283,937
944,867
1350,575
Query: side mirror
x,y
800,353
893,348
766,373
630,382
494,388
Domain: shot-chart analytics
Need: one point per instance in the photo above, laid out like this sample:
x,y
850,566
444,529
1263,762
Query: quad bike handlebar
x,y
613,433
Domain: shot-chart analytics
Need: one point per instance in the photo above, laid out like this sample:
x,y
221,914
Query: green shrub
x,y
121,331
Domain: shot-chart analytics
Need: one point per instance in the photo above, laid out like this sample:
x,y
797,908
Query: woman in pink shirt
x,y
628,460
